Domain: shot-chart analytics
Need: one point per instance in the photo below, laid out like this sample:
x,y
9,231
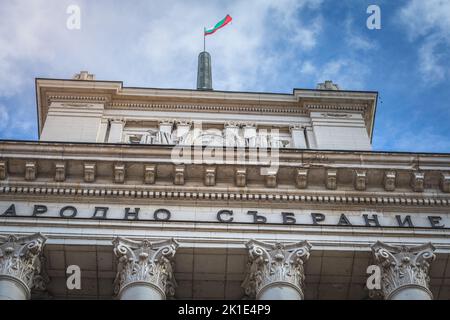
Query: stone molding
x,y
278,263
389,180
119,173
403,267
84,98
445,182
145,262
241,177
331,179
30,170
418,181
149,174
210,176
179,175
60,171
24,169
20,260
205,108
335,107
301,179
90,171
199,193
271,178
3,169
360,180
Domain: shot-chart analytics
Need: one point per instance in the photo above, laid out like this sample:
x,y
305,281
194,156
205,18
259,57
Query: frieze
x,y
249,215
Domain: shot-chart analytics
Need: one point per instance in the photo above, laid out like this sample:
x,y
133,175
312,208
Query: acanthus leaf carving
x,y
145,261
275,263
403,266
20,258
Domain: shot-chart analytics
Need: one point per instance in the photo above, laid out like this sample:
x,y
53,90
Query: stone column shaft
x,y
115,131
231,134
250,135
298,137
183,128
145,270
275,271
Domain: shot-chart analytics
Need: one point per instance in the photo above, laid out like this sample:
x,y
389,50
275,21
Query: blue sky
x,y
271,46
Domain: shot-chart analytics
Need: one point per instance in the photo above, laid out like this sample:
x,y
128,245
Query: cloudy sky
x,y
271,46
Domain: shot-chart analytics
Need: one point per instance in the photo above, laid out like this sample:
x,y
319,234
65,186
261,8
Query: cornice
x,y
49,150
354,95
76,98
37,168
244,108
336,107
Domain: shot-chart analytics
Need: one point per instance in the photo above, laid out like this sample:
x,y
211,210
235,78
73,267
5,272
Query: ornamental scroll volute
x,y
275,263
403,266
145,261
20,258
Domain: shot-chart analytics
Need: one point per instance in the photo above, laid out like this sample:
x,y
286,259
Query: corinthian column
x,y
404,271
145,270
20,265
275,271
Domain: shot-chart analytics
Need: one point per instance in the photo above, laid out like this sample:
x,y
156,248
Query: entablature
x,y
306,176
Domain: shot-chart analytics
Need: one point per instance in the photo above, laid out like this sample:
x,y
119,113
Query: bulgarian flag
x,y
222,23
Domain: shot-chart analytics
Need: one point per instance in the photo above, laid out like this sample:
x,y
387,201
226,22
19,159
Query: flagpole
x,y
204,41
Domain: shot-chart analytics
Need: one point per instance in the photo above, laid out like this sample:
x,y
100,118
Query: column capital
x,y
183,122
232,124
271,264
145,262
296,127
249,125
20,260
167,121
403,267
118,120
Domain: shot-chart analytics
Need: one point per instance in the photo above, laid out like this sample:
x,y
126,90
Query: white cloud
x,y
348,73
356,41
432,65
424,17
396,136
428,23
150,43
298,32
308,68
349,70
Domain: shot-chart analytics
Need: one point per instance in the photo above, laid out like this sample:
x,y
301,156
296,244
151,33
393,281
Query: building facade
x,y
203,194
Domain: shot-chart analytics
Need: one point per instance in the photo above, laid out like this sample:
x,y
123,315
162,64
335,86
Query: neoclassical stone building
x,y
204,194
